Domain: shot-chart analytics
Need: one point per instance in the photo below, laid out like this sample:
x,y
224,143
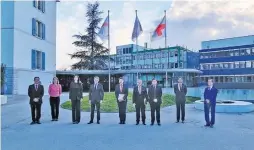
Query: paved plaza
x,y
232,131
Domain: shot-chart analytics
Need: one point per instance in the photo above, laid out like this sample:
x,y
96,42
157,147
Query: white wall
x,y
24,42
25,78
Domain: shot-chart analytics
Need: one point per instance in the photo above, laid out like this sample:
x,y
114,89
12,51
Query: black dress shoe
x,y
159,124
77,122
32,123
74,123
207,125
144,123
56,119
53,120
137,123
211,126
177,121
38,122
90,122
123,122
98,122
120,122
151,124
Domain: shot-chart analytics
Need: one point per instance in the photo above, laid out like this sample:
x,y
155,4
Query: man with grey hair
x,y
139,98
180,98
96,95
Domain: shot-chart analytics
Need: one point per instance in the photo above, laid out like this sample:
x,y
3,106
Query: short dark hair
x,y
121,78
36,78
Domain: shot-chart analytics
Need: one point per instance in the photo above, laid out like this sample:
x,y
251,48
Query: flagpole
x,y
165,28
109,78
137,45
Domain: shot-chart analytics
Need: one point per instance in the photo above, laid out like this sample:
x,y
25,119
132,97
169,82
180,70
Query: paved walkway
x,y
232,131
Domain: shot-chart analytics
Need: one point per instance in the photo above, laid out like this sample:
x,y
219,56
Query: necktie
x,y
139,89
36,87
95,86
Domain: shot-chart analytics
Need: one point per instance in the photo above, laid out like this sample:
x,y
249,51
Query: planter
x,y
3,99
228,106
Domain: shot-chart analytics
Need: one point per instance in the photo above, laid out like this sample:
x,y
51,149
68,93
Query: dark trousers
x,y
36,111
97,104
155,107
75,110
207,107
180,106
140,108
122,110
54,104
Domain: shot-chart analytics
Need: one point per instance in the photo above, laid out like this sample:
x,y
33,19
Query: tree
x,y
91,54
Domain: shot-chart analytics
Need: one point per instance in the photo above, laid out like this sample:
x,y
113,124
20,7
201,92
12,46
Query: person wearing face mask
x,y
96,94
121,93
210,95
139,98
76,95
35,93
154,96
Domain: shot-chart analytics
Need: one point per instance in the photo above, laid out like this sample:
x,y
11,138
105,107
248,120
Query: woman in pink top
x,y
55,91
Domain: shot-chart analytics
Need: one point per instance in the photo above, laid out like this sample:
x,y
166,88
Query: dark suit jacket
x,y
155,94
95,95
125,92
32,93
76,91
139,98
211,95
180,95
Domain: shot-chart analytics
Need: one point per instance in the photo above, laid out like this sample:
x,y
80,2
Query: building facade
x,y
158,63
230,62
28,43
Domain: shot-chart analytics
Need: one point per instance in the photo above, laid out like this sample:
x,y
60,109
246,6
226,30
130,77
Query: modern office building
x,y
230,62
132,62
28,43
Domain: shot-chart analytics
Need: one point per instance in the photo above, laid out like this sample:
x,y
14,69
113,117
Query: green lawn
x,y
109,103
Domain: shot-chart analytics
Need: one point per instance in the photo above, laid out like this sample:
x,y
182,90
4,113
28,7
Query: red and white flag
x,y
160,30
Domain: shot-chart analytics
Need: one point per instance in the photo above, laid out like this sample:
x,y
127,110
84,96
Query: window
x,y
248,64
171,54
231,53
242,64
248,51
38,29
225,65
236,52
38,60
236,64
176,65
242,52
39,4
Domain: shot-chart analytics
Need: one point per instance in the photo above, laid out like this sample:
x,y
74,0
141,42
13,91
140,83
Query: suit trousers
x,y
35,111
155,107
75,110
122,110
140,108
97,104
207,108
54,104
180,107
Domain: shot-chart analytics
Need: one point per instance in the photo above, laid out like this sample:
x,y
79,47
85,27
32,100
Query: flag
x,y
103,33
159,32
137,29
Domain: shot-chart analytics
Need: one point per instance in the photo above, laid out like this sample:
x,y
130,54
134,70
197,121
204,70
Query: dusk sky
x,y
188,22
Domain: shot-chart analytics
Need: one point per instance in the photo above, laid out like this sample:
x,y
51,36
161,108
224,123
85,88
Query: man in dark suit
x,y
139,98
96,94
121,93
36,92
210,95
180,92
154,96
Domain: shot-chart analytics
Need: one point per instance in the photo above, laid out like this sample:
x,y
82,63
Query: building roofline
x,y
225,48
228,38
104,72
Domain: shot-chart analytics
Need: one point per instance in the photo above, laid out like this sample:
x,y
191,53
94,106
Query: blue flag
x,y
103,33
137,30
